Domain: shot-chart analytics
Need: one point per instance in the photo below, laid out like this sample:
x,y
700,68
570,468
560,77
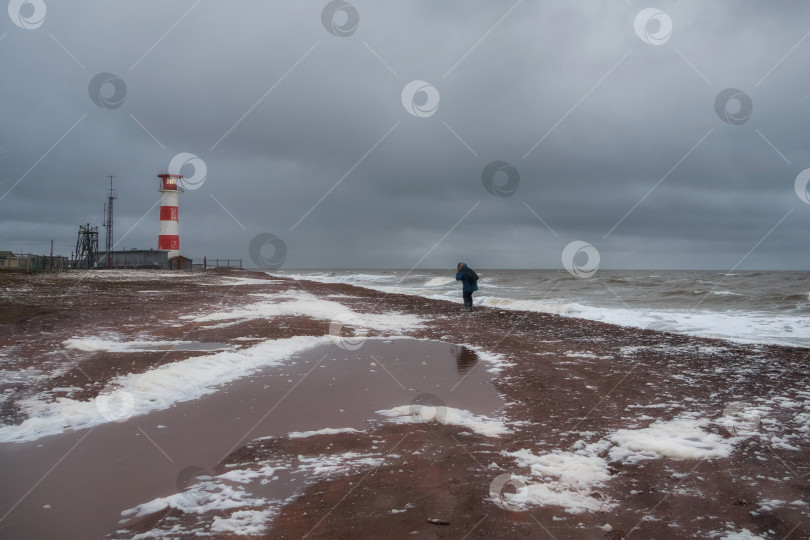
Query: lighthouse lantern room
x,y
169,234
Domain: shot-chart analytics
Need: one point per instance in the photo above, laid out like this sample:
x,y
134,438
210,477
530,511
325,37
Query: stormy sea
x,y
750,307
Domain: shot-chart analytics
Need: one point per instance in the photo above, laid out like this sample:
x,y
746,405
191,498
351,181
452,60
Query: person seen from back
x,y
469,283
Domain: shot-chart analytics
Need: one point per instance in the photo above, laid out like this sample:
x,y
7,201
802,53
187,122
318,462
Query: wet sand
x,y
119,465
570,382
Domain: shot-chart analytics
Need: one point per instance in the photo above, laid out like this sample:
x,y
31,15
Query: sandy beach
x,y
230,403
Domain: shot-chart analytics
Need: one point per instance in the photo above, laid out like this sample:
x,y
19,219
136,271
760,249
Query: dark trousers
x,y
467,298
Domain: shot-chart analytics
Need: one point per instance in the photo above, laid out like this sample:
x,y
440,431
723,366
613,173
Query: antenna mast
x,y
108,220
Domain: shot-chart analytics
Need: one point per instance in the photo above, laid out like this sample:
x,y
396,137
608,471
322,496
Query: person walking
x,y
469,283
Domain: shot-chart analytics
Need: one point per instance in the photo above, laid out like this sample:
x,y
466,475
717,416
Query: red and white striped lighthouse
x,y
169,235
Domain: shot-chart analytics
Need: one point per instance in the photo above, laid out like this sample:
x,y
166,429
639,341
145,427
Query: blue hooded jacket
x,y
466,284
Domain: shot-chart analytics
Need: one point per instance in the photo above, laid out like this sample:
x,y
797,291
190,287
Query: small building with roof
x,y
156,259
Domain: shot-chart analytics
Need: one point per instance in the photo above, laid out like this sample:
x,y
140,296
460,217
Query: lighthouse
x,y
169,234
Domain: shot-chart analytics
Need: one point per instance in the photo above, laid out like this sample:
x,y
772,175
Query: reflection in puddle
x,y
465,359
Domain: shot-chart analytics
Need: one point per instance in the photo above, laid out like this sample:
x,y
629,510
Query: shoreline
x,y
759,327
578,393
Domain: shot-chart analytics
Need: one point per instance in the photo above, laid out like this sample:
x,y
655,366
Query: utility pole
x,y
51,259
108,221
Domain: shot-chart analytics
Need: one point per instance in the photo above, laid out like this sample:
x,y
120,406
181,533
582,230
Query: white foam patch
x,y
202,497
232,509
585,354
300,303
133,275
245,476
680,438
769,505
569,479
214,495
92,344
413,414
498,361
243,522
28,376
328,466
566,479
324,431
230,281
156,389
744,534
407,507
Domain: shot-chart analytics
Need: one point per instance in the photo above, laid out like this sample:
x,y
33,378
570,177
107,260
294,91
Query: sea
x,y
764,307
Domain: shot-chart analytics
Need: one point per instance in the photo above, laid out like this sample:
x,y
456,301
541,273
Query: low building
x,y
136,259
29,262
5,258
180,263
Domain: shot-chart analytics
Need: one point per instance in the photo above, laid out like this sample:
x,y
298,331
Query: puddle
x,y
81,481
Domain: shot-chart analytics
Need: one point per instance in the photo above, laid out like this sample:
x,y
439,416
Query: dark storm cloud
x,y
282,111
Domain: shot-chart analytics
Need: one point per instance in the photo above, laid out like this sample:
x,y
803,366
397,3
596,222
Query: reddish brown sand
x,y
444,472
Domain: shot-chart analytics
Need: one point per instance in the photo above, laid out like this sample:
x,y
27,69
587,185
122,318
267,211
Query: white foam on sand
x,y
94,344
206,496
324,431
230,281
227,504
743,534
498,361
417,414
242,522
566,479
569,479
129,275
680,438
325,466
300,303
155,389
769,505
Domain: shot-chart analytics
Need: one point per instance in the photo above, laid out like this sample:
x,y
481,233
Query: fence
x,y
207,264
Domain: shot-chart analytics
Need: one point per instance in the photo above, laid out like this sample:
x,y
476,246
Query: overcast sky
x,y
609,119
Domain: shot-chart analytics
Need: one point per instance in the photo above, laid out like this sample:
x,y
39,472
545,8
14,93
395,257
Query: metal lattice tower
x,y
87,246
108,221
